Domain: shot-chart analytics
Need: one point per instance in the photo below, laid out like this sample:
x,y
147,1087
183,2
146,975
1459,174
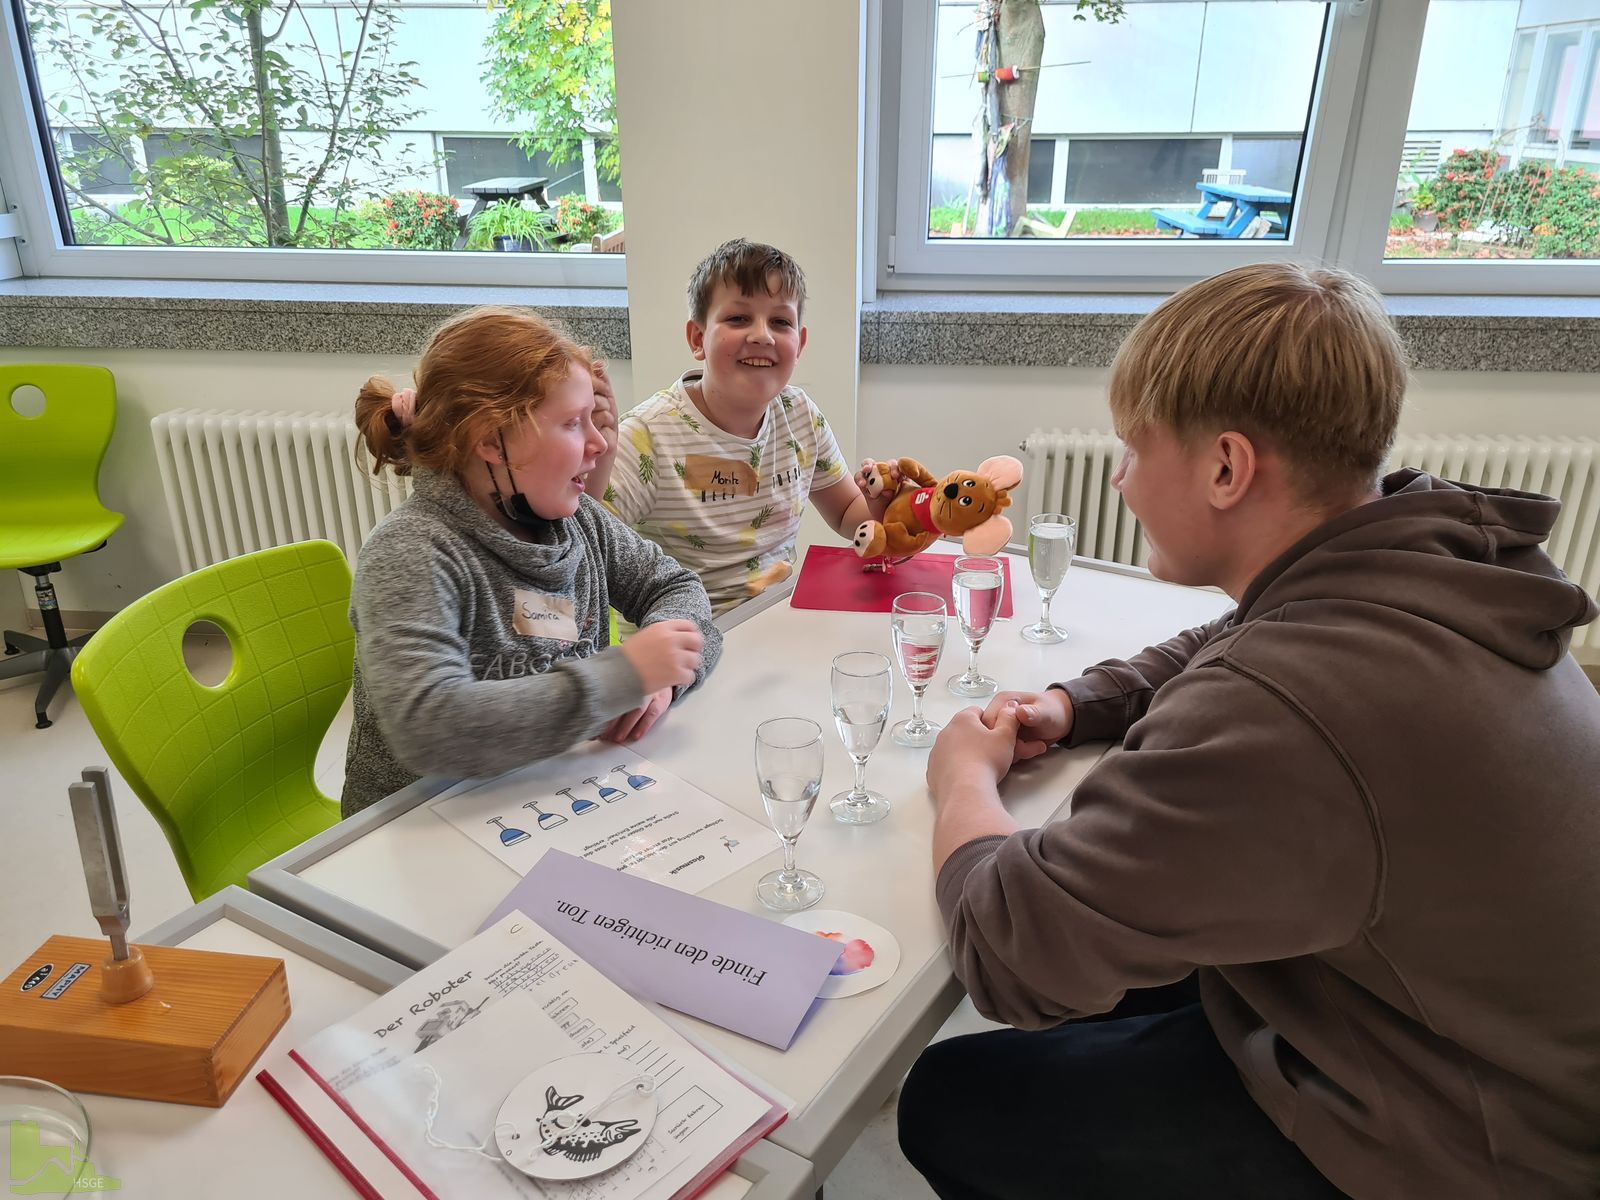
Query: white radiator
x,y
1071,472
242,481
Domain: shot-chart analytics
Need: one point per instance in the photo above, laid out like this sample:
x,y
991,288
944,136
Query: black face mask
x,y
515,507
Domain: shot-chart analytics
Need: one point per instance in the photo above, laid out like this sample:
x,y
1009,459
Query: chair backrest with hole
x,y
228,770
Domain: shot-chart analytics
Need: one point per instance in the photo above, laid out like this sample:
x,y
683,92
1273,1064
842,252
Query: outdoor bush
x,y
1461,192
1566,220
421,220
578,220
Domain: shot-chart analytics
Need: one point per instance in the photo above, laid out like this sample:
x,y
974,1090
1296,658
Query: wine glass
x,y
862,687
789,770
1051,539
918,624
979,584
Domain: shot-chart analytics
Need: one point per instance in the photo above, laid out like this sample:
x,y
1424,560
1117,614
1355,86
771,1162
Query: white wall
x,y
955,416
721,145
946,416
1461,74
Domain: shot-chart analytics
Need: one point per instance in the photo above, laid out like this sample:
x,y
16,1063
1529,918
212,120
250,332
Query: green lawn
x,y
1088,222
185,227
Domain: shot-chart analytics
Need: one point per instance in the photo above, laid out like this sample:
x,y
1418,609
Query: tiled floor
x,y
42,890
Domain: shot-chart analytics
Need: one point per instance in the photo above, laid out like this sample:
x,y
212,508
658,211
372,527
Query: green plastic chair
x,y
228,770
50,506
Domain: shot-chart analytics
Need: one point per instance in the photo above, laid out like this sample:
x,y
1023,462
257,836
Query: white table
x,y
249,1147
400,879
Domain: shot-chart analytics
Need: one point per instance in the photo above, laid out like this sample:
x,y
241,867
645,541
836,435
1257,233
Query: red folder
x,y
832,577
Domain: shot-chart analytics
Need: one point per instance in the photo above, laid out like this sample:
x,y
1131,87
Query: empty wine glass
x,y
918,625
789,770
1051,539
862,687
979,584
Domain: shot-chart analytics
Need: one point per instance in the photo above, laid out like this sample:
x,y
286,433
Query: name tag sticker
x,y
724,476
539,615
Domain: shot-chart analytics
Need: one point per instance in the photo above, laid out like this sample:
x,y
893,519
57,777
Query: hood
x,y
1466,558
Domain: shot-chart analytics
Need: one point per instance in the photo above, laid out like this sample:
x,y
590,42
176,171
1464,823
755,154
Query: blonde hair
x,y
1304,357
484,370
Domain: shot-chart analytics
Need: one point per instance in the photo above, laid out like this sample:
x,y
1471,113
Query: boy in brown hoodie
x,y
1337,902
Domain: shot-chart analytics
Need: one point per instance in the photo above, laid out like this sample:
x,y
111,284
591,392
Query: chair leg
x,y
17,642
24,664
56,672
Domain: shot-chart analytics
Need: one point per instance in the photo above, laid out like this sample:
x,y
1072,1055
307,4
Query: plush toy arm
x,y
988,538
911,469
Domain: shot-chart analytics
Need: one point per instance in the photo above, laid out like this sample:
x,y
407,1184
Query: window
x,y
279,138
1171,138
1459,139
1515,184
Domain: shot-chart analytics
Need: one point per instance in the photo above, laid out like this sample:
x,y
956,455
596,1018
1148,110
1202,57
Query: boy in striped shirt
x,y
717,468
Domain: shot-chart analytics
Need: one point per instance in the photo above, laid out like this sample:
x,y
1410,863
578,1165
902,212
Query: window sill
x,y
327,318
1442,333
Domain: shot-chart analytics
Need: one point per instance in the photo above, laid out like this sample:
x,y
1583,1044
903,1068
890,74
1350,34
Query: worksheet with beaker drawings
x,y
613,808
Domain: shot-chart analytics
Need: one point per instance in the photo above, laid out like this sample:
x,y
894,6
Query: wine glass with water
x,y
789,770
918,625
1051,540
979,585
862,687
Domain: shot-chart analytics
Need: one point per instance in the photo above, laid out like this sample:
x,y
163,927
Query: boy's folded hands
x,y
666,654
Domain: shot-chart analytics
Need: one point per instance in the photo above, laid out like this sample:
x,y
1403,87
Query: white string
x,y
645,1085
438,1143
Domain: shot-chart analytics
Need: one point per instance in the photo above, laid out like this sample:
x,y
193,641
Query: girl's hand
x,y
666,654
631,726
605,406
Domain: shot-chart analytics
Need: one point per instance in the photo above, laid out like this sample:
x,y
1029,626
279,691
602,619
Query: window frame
x,y
1384,111
913,262
42,251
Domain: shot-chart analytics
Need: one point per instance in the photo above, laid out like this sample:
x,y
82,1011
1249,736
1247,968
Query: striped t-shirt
x,y
725,506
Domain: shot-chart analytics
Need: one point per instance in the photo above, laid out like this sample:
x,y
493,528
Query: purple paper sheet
x,y
746,974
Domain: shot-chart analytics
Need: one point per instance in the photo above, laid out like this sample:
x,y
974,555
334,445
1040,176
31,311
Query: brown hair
x,y
483,370
748,266
1305,357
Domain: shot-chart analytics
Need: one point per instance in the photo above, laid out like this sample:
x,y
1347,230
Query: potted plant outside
x,y
506,225
1423,203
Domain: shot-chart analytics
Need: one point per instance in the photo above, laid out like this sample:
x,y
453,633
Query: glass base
x,y
975,687
874,809
918,738
801,892
1044,634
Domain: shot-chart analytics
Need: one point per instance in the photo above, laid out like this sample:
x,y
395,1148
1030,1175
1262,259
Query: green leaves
x,y
549,61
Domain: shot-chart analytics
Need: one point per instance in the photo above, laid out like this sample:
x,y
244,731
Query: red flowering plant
x,y
417,220
1566,218
577,220
1461,191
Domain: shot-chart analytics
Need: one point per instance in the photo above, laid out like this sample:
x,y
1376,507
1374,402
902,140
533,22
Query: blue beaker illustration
x,y
546,820
637,782
509,837
580,806
609,794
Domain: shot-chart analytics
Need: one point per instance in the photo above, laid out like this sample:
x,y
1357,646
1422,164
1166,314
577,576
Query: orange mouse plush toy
x,y
964,504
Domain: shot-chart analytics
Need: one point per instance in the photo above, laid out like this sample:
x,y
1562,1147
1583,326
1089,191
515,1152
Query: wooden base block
x,y
190,1039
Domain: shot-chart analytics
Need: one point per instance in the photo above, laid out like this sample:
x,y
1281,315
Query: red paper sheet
x,y
832,578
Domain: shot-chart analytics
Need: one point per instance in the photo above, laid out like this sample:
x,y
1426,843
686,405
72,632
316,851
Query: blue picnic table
x,y
1245,204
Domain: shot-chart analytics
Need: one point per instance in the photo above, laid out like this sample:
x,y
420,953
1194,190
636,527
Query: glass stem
x,y
788,861
1044,608
858,794
972,661
916,708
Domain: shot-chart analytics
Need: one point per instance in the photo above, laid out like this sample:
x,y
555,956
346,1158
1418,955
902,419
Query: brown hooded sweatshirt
x,y
1366,805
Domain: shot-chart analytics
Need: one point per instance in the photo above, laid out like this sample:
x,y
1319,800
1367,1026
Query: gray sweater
x,y
447,682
